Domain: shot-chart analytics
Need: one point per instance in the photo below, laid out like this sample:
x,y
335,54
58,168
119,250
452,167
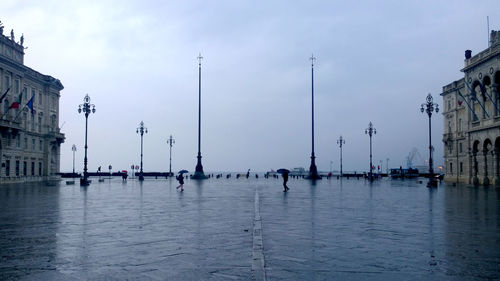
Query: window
x,y
32,93
461,168
6,82
25,117
41,145
33,144
7,168
18,141
32,168
53,122
39,168
449,127
460,147
40,98
459,124
16,86
451,168
6,106
17,167
25,143
8,140
25,168
39,124
32,122
449,104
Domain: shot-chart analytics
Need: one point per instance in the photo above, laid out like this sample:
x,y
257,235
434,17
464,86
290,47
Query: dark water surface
x,y
331,230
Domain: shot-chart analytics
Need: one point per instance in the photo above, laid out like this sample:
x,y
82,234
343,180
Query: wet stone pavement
x,y
249,229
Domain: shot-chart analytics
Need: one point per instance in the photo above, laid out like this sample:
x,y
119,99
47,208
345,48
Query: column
x,y
494,96
486,180
495,156
475,180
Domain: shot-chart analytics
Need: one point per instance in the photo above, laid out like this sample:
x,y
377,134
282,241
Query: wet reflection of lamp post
x,y
141,130
340,142
87,108
73,148
370,131
429,106
170,141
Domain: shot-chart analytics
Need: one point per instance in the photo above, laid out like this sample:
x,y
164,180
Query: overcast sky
x,y
376,61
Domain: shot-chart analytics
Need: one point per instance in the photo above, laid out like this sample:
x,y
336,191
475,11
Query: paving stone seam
x,y
258,262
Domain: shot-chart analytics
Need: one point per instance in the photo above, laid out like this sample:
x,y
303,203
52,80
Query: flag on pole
x,y
30,105
18,102
4,95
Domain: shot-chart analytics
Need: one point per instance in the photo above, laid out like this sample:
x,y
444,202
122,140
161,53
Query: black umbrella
x,y
183,172
283,171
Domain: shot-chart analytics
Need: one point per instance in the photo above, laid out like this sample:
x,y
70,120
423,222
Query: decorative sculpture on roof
x,y
12,35
22,39
1,28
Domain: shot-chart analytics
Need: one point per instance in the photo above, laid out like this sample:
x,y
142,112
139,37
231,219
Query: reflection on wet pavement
x,y
343,230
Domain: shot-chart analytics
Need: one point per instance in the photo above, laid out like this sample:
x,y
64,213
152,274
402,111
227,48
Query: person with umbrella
x,y
284,173
180,178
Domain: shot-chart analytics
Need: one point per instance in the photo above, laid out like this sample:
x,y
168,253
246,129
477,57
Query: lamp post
x,y
429,106
313,170
387,167
199,174
86,108
370,131
170,141
141,130
341,141
73,148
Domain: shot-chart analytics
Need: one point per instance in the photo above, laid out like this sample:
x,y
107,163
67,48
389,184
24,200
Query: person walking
x,y
180,178
285,179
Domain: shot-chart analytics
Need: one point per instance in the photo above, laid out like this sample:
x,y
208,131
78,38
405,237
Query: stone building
x,y
471,111
30,136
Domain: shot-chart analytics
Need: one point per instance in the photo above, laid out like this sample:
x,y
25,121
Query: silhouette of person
x,y
180,178
285,179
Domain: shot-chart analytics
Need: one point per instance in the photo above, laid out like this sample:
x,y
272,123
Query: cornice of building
x,y
453,86
482,57
32,74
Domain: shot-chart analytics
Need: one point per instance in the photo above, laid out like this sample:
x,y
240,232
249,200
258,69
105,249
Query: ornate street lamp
x,y
73,148
199,174
370,131
341,141
313,170
141,130
429,106
86,109
170,141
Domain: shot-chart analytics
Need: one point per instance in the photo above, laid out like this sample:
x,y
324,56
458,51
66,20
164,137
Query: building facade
x,y
30,136
471,111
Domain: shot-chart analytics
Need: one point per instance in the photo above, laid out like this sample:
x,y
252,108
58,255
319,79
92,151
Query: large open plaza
x,y
244,229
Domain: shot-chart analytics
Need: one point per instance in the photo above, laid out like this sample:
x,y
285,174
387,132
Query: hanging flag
x,y
30,105
460,100
4,95
18,102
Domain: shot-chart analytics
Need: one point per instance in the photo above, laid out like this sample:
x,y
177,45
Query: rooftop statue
x,y
12,35
1,28
22,39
